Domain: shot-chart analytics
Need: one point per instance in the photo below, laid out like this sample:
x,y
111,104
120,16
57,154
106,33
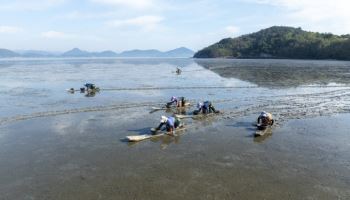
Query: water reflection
x,y
167,140
281,73
262,138
79,62
91,93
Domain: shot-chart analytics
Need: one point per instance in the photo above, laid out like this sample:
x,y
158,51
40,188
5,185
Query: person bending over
x,y
177,101
205,108
265,119
171,123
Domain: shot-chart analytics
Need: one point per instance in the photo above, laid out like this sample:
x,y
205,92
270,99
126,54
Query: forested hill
x,y
281,42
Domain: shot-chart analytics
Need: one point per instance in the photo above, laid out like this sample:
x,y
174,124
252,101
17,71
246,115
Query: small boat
x,y
153,134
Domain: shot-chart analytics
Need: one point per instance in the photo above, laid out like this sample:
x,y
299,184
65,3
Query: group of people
x,y
203,107
172,122
88,87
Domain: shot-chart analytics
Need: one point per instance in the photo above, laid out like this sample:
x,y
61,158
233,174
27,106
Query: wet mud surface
x,y
281,73
55,145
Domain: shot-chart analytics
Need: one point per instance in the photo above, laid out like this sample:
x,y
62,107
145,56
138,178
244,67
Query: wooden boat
x,y
153,134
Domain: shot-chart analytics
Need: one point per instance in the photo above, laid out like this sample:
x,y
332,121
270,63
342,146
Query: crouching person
x,y
265,119
171,123
90,86
205,108
177,101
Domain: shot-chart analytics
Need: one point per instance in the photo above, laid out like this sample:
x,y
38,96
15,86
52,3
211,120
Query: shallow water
x,y
57,145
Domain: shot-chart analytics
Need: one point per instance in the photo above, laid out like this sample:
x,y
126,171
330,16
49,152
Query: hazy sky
x,y
59,25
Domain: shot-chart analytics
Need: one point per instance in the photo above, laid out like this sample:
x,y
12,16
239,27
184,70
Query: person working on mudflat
x,y
205,108
89,86
178,101
171,123
265,119
178,70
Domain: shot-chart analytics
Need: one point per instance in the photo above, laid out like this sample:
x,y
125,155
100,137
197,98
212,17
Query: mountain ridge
x,y
4,53
281,42
76,52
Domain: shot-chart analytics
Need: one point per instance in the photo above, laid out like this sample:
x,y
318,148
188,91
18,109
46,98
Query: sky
x,y
118,25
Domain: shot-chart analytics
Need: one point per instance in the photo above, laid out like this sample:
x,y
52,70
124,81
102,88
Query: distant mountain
x,y
179,52
5,53
141,53
77,53
281,42
36,53
105,54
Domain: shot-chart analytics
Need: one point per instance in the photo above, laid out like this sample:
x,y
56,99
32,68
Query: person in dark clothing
x,y
90,86
205,108
265,119
178,71
178,101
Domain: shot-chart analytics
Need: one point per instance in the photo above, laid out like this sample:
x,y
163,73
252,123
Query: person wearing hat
x,y
205,107
171,123
178,101
265,119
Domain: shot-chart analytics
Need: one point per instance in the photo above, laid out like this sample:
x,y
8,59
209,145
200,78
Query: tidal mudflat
x,y
57,145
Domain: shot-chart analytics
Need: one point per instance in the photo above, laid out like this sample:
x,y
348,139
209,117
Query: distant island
x,y
76,52
281,42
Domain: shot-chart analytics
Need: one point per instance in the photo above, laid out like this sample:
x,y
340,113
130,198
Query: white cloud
x,y
147,22
66,36
57,35
321,15
138,4
86,15
9,29
31,5
232,29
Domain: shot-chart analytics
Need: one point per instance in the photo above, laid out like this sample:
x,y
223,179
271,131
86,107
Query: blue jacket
x,y
170,123
206,104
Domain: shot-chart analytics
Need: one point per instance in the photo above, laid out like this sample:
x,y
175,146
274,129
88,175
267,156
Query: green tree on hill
x,y
281,42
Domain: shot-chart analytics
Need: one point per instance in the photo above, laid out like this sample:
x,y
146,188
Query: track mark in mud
x,y
176,88
77,110
286,107
216,87
283,107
